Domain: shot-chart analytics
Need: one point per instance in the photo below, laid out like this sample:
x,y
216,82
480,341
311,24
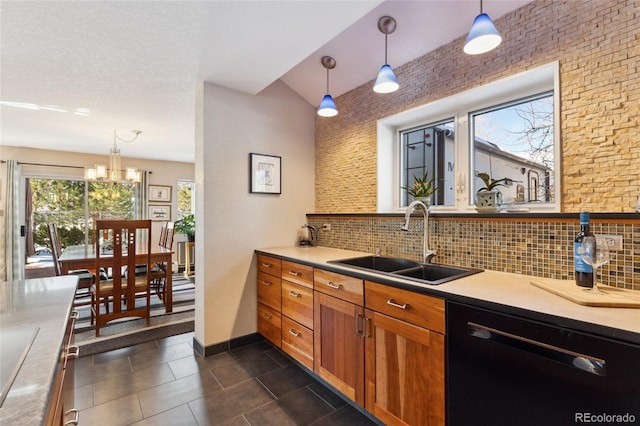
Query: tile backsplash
x,y
538,247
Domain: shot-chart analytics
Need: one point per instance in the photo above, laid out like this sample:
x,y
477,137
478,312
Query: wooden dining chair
x,y
128,243
159,270
85,277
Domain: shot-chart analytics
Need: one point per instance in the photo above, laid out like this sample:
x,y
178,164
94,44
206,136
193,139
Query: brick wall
x,y
598,46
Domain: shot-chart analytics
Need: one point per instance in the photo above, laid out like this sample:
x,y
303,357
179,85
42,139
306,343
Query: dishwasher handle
x,y
573,359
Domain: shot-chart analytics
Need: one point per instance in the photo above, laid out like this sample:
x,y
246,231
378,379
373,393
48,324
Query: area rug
x,y
131,331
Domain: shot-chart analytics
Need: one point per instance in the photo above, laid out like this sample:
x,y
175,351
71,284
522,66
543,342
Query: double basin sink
x,y
427,273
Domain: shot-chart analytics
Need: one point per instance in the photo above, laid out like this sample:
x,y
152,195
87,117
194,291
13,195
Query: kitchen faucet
x,y
426,253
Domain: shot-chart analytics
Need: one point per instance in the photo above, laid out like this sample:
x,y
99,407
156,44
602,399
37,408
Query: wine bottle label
x,y
580,265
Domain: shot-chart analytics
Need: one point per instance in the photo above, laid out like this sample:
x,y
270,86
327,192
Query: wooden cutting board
x,y
613,298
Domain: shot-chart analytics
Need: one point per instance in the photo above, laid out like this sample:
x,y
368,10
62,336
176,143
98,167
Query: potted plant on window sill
x,y
422,189
488,197
186,226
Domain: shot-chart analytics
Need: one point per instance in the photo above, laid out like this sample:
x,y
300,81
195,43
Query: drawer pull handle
x,y
75,315
76,417
294,273
73,352
358,318
397,305
332,285
266,265
293,332
365,332
294,294
267,283
266,316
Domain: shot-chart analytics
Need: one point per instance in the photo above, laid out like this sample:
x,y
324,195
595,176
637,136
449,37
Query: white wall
x,y
232,222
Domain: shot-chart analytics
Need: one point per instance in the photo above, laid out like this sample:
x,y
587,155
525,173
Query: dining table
x,y
84,257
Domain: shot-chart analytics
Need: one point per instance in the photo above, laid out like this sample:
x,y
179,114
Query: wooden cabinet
x,y
269,299
61,409
297,341
381,346
297,311
339,345
404,361
297,303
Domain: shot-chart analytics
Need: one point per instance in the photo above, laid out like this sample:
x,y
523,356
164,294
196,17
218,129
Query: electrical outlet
x,y
613,241
326,227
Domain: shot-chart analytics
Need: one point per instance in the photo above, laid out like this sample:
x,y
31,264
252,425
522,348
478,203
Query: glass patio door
x,y
73,205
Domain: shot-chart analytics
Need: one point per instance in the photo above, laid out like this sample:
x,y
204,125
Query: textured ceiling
x,y
134,65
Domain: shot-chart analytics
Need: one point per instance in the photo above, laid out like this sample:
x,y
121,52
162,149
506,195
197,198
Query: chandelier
x,y
114,173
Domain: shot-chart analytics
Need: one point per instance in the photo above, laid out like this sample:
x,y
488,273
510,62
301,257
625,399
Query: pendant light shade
x,y
483,36
327,107
386,82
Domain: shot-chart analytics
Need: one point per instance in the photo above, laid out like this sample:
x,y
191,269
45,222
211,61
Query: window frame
x,y
529,83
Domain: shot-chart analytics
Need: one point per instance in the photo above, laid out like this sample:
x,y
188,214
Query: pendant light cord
x,y
385,48
327,81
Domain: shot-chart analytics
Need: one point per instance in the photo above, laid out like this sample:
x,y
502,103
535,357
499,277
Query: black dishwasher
x,y
508,370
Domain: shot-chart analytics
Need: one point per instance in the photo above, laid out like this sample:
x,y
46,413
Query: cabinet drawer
x,y
297,341
297,273
269,290
297,303
269,265
341,286
269,324
416,308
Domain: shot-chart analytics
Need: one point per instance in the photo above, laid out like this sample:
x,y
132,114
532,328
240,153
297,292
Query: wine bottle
x,y
584,272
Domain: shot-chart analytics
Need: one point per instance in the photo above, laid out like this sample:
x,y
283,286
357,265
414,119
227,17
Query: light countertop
x,y
491,289
41,305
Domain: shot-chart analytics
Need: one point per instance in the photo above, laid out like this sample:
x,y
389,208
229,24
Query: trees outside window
x,y
73,205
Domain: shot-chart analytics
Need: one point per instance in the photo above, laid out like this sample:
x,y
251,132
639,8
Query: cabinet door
x,y
404,372
339,345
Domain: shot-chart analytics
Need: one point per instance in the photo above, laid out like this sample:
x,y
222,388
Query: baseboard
x,y
235,343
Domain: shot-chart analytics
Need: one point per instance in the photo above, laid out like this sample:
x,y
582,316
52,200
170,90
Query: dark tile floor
x,y
164,383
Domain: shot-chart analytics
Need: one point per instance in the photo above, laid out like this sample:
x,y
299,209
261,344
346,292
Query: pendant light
x,y
386,81
327,107
483,35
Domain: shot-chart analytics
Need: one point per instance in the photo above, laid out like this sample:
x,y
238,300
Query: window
x,y
186,198
472,132
428,150
516,141
73,205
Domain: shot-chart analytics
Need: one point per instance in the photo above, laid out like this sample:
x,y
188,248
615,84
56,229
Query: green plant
x,y
490,184
422,187
186,225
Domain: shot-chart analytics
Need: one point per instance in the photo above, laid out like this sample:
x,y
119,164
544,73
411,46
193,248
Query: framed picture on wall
x,y
160,193
159,213
265,174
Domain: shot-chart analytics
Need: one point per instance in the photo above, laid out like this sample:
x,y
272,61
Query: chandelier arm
x,y
115,136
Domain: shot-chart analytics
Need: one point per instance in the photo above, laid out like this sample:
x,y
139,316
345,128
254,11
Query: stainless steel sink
x,y
427,273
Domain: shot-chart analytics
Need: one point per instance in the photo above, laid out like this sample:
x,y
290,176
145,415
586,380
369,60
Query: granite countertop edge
x,y
44,303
